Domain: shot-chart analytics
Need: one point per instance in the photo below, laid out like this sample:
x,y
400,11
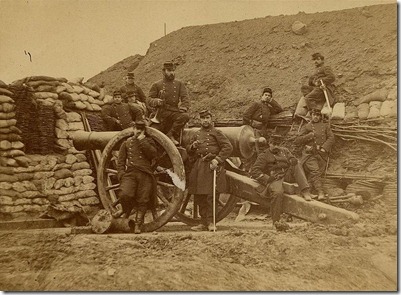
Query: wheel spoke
x,y
111,171
185,203
112,187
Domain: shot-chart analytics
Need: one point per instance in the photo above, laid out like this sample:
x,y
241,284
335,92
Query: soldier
x,y
314,95
261,111
134,102
211,148
119,115
317,138
134,171
271,168
170,98
130,86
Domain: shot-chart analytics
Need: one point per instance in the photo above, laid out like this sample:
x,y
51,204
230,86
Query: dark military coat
x,y
123,112
174,93
138,92
213,144
271,162
313,135
261,112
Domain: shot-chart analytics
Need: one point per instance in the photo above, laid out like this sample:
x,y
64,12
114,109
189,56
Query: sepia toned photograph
x,y
199,145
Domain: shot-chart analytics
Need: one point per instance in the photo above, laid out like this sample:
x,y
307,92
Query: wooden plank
x,y
30,224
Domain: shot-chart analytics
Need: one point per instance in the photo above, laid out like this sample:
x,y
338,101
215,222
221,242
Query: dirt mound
x,y
225,65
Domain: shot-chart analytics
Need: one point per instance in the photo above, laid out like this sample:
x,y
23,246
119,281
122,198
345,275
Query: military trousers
x,y
205,203
314,167
172,122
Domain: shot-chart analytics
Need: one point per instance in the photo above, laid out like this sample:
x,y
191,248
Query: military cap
x,y
204,113
130,75
267,89
130,93
317,55
140,124
316,111
169,65
116,92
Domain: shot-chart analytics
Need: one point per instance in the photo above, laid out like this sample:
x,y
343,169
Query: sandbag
x,y
77,80
6,92
44,95
379,95
23,161
77,89
351,113
6,107
17,145
94,94
62,173
5,116
92,86
68,87
374,109
79,105
45,88
7,123
38,83
10,137
46,78
88,106
363,111
60,89
102,94
83,97
5,98
73,117
338,111
62,124
96,107
389,109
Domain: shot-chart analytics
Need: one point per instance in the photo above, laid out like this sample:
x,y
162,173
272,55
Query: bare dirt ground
x,y
244,256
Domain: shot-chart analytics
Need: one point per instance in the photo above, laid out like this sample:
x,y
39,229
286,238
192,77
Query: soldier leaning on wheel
x,y
135,173
119,115
211,148
271,168
317,140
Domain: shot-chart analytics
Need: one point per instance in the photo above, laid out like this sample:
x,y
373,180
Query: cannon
x,y
174,202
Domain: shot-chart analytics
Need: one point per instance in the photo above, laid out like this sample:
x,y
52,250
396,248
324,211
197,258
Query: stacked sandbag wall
x,y
376,106
53,172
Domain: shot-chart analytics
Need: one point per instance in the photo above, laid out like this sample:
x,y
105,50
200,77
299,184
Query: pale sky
x,y
81,38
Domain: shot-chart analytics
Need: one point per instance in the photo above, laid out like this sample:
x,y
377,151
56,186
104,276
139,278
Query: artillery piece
x,y
171,182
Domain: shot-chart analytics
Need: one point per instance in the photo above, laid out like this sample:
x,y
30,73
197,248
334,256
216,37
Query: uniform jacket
x,y
261,112
213,144
135,153
324,73
316,134
272,162
123,112
139,94
174,93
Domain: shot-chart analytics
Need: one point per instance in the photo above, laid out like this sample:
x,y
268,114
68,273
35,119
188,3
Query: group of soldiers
x,y
166,109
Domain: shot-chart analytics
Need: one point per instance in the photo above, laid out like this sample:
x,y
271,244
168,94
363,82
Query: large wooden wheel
x,y
170,196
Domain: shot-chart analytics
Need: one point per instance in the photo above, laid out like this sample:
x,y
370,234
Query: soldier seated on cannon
x,y
258,114
317,140
211,148
119,115
271,168
135,173
134,102
170,98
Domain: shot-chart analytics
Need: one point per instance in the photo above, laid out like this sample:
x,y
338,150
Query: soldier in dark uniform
x,y
134,102
314,95
130,86
261,111
211,148
317,138
135,173
271,168
119,115
170,97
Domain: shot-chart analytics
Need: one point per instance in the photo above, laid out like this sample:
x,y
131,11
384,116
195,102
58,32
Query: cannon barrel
x,y
242,138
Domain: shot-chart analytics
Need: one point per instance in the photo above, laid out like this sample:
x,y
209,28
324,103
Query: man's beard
x,y
170,76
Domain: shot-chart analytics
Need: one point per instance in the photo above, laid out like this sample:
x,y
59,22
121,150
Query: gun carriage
x,y
174,202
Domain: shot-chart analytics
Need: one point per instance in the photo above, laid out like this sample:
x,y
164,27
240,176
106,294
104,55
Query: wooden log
x,y
103,222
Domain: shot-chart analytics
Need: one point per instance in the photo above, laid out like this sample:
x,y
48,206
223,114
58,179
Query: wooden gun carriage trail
x,y
174,203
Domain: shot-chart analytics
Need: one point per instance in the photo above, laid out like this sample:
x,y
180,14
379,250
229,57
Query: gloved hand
x,y
195,144
141,136
214,164
183,109
266,179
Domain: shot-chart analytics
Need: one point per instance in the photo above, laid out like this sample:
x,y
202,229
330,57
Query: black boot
x,y
140,216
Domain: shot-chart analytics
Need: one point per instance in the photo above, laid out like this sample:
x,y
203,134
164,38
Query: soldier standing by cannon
x,y
134,171
211,148
119,115
314,97
261,111
317,138
271,168
170,98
